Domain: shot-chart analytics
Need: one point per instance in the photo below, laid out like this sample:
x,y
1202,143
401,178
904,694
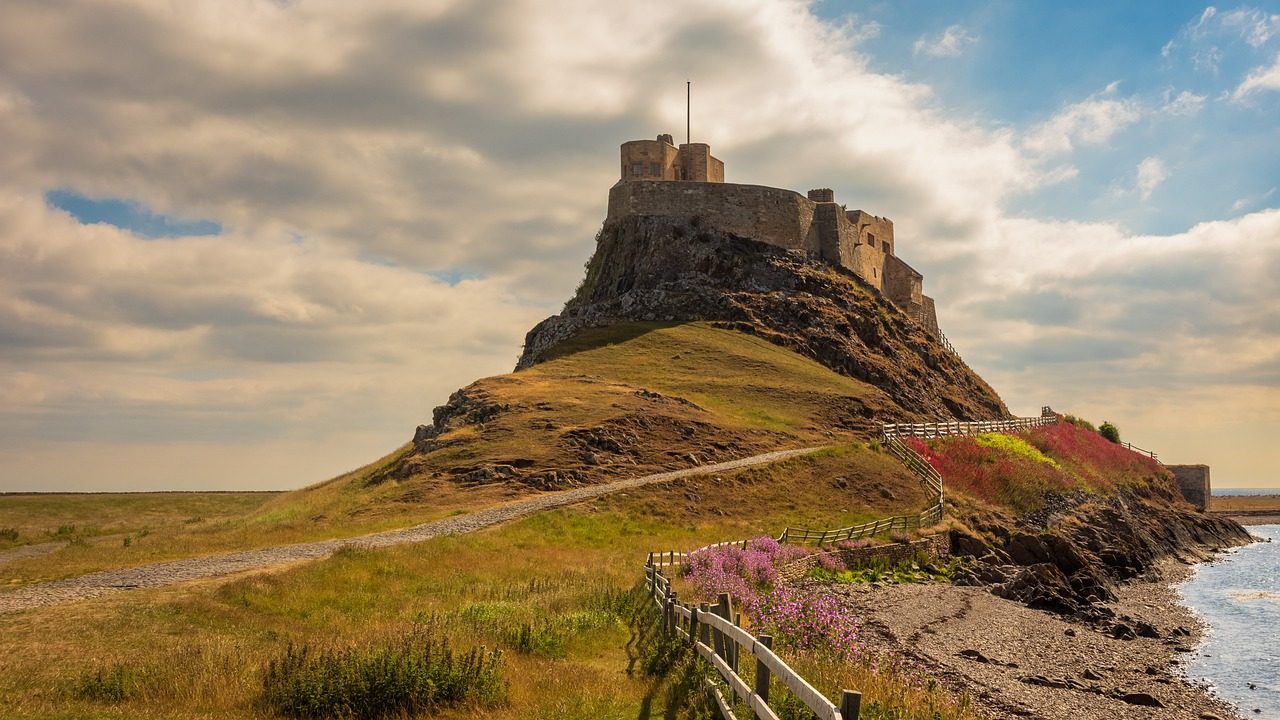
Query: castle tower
x,y
660,160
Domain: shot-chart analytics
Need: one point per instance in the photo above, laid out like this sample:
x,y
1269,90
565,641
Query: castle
x,y
659,179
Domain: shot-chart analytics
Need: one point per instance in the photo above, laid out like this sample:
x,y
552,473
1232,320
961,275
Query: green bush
x,y
1110,432
114,685
401,677
1079,422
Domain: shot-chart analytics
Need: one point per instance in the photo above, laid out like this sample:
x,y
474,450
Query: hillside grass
x,y
553,591
741,379
727,395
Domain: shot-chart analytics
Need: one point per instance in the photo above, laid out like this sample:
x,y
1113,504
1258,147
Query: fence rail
x,y
902,522
929,430
1137,449
715,634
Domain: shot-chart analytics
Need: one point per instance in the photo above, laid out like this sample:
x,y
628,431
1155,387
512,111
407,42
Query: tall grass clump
x,y
404,676
115,684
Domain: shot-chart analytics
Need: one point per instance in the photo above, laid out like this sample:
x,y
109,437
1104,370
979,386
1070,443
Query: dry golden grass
x,y
1259,504
198,651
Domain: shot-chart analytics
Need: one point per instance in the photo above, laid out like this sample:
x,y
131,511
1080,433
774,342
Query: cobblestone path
x,y
177,571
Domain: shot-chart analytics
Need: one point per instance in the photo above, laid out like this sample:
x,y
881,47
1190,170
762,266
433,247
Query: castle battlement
x,y
660,180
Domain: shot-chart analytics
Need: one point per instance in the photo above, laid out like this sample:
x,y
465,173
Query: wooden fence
x,y
940,429
1137,449
715,633
900,523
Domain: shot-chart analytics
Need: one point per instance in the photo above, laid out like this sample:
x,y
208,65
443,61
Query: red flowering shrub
x,y
1084,460
1092,458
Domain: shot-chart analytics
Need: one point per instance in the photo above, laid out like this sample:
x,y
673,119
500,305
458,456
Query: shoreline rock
x,y
1016,661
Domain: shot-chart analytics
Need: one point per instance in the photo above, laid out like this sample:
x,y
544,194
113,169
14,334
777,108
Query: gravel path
x,y
177,571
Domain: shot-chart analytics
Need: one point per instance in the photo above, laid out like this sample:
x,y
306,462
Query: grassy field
x,y
1258,504
550,590
36,518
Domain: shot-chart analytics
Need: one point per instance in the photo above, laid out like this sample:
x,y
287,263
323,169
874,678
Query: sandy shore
x,y
1016,662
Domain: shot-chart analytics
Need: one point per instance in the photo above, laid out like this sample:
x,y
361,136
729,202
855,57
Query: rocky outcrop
x,y
665,269
1072,563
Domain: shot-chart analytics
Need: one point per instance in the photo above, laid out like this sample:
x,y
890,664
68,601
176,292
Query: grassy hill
x,y
639,398
612,402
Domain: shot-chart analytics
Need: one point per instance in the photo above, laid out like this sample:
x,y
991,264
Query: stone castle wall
x,y
816,224
1193,481
772,215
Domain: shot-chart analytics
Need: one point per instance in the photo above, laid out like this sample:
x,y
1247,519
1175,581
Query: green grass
x,y
552,591
1013,445
741,378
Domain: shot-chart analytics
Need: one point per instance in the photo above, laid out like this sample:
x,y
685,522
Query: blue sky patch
x,y
128,215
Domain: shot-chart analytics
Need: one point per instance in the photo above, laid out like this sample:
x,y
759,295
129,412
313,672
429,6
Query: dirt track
x,y
177,571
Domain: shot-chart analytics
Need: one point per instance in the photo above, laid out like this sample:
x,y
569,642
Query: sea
x,y
1238,596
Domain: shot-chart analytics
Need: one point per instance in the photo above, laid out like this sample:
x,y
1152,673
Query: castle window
x,y
871,240
637,170
655,169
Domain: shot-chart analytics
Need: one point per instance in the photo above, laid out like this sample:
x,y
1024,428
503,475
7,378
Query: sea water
x,y
1238,596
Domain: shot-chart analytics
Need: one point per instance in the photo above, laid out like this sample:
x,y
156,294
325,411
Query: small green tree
x,y
1109,431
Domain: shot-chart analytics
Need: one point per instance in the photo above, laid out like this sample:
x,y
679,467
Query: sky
x,y
250,244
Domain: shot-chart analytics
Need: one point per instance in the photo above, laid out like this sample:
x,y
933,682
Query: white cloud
x,y
1186,103
438,138
1255,26
1151,172
949,43
1092,121
464,138
1259,79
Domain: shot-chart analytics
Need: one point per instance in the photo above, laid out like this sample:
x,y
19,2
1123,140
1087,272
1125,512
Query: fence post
x,y
721,610
667,612
850,705
762,674
733,661
704,630
693,625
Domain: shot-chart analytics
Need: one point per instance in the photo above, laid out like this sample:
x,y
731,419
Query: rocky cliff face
x,y
1070,559
651,268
